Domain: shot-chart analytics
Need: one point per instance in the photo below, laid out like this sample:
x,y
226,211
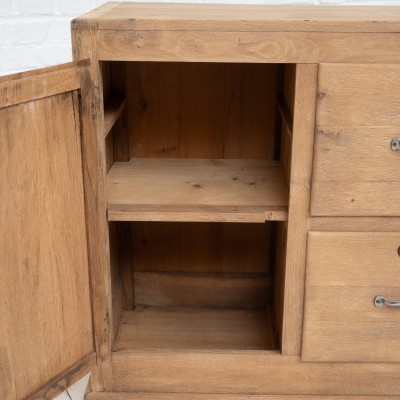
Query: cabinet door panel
x,y
45,322
358,114
345,271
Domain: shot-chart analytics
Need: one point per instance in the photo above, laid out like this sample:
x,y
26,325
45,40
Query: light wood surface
x,y
236,17
117,308
19,88
279,278
345,271
94,171
196,328
250,47
205,247
358,115
202,290
44,289
355,171
357,224
201,110
299,204
62,382
196,189
112,111
191,396
285,114
358,95
255,372
164,97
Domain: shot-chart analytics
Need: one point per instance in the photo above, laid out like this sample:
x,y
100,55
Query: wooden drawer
x,y
345,271
355,172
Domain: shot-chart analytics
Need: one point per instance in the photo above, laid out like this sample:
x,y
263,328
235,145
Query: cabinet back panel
x,y
201,110
201,247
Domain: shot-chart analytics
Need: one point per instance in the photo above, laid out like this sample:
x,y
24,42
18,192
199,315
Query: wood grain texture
x,y
249,47
252,372
168,213
192,396
47,82
112,111
120,130
125,266
201,110
117,308
195,328
288,87
357,224
279,279
162,289
358,95
44,289
286,152
94,171
194,187
7,382
66,379
205,247
299,204
352,258
345,271
355,171
235,17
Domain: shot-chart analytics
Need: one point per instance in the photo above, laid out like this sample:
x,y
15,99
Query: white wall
x,y
36,33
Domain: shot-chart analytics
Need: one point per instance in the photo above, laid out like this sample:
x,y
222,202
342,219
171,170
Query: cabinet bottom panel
x,y
248,372
191,396
197,328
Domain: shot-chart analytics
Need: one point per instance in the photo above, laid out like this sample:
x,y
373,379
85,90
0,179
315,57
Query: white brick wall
x,y
36,33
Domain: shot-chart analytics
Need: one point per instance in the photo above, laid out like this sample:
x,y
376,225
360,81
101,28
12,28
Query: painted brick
x,y
9,8
35,7
5,37
55,53
60,29
19,58
6,7
72,7
29,31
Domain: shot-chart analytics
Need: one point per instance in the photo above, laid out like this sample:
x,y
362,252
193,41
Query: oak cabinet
x,y
205,201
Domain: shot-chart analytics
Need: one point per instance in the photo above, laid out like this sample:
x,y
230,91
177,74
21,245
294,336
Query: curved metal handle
x,y
380,301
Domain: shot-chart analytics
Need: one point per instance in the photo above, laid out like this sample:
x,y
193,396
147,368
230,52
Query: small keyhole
x,y
398,251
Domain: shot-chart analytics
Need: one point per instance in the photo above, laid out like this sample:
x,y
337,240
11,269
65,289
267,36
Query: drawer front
x,y
355,171
345,271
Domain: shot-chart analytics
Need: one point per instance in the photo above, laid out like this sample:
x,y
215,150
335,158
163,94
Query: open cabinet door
x,y
45,311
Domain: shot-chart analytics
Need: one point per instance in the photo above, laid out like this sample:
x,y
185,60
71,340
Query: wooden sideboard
x,y
205,205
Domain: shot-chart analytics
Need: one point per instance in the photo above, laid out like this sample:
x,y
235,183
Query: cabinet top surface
x,y
240,17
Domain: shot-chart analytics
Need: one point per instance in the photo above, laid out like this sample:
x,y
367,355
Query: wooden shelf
x,y
112,111
196,328
197,190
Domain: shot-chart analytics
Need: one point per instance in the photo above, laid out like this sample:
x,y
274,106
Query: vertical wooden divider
x,y
299,206
94,172
119,76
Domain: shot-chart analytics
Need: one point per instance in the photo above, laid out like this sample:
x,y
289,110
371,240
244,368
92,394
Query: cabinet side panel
x,y
45,304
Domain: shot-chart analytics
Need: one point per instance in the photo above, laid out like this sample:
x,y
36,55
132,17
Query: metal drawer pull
x,y
380,301
395,144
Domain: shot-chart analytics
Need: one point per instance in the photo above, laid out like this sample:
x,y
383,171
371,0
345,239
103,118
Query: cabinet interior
x,y
198,171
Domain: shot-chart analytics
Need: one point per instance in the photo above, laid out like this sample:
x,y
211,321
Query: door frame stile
x,y
94,173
